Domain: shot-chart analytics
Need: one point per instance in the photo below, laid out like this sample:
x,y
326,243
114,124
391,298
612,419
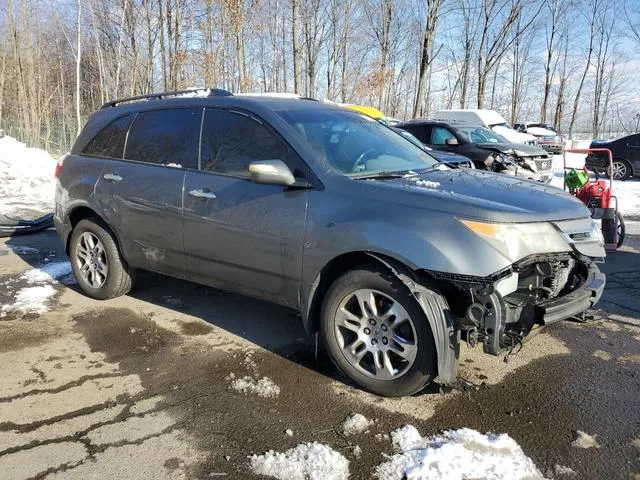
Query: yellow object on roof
x,y
372,112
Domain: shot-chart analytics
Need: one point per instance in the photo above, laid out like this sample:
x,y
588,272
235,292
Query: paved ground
x,y
140,387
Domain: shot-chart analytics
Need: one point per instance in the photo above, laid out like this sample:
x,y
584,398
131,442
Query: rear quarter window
x,y
109,142
165,137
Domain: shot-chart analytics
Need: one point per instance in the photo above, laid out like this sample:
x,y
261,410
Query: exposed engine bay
x,y
539,290
532,168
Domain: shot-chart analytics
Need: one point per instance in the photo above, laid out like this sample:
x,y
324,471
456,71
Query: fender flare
x,y
446,335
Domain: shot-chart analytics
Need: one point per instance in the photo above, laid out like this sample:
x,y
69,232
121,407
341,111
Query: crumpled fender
x,y
445,333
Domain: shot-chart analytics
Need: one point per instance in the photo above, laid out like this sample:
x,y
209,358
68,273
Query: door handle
x,y
112,177
201,193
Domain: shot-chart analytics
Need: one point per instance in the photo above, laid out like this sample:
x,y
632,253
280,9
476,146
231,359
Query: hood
x,y
542,132
485,196
511,134
514,149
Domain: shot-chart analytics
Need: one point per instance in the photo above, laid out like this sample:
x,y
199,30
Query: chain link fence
x,y
54,134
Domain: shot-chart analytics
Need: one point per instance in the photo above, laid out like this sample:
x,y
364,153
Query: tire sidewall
x,y
424,368
114,262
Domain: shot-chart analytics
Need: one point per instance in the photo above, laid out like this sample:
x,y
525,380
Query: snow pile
x,y
456,455
355,424
30,300
308,461
27,182
263,387
35,299
584,440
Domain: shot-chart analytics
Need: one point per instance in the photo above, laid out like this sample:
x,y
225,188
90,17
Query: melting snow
x,y
308,461
456,455
355,424
263,387
424,183
27,182
48,273
35,299
31,300
584,440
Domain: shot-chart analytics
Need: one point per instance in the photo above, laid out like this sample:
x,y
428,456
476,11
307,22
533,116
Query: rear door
x,y
141,194
239,235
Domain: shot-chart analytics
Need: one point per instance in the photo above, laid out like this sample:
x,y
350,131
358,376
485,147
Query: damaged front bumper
x,y
536,291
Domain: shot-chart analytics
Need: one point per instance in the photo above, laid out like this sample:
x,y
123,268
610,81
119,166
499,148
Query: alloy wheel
x,y
91,260
619,170
376,334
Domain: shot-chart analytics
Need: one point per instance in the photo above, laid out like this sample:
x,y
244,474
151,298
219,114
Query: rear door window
x,y
165,137
232,140
421,132
634,141
109,142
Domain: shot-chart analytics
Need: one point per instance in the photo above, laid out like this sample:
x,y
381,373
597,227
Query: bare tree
x,y
557,9
427,55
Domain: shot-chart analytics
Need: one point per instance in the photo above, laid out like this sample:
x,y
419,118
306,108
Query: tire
x,y
621,230
621,169
112,277
409,372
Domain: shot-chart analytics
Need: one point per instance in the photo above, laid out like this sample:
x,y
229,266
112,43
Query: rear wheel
x,y
377,334
621,169
99,268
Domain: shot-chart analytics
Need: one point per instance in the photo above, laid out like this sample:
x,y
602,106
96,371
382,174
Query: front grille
x,y
543,164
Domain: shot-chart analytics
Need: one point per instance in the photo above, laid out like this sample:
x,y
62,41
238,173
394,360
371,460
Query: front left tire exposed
x,y
377,334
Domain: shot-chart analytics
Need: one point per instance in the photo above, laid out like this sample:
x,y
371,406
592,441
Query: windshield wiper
x,y
383,175
435,167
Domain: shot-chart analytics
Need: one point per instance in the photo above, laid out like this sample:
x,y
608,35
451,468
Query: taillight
x,y
58,171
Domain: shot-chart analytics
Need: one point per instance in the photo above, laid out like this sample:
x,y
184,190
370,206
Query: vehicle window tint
x,y
634,141
165,137
422,132
231,141
440,135
109,142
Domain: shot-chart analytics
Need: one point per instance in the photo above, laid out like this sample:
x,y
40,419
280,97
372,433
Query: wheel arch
x,y
446,334
83,212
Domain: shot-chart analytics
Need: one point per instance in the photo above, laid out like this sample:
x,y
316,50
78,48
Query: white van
x,y
489,119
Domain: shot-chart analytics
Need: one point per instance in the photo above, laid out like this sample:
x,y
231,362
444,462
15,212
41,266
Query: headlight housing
x,y
518,240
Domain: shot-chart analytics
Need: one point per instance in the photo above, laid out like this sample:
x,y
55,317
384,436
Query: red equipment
x,y
598,196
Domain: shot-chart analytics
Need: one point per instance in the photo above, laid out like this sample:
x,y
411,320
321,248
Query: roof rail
x,y
207,92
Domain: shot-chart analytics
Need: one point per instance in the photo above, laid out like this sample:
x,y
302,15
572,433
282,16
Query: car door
x,y
240,235
141,194
633,155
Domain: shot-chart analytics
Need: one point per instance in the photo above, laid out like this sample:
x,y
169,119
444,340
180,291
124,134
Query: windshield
x,y
356,145
481,135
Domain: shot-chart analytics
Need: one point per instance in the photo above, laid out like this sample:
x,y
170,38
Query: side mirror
x,y
452,141
273,172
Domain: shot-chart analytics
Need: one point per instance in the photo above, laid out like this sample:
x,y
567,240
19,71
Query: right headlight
x,y
518,240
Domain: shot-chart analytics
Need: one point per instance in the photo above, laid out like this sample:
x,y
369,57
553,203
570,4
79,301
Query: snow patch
x,y
561,470
424,183
51,272
27,182
356,423
584,440
456,455
263,387
308,461
31,300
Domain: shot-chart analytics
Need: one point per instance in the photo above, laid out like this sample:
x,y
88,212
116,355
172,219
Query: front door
x,y
240,235
141,195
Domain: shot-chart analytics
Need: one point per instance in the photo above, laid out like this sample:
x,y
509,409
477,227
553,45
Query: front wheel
x,y
377,334
621,230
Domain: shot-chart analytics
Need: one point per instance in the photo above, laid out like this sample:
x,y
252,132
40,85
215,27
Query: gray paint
x,y
272,242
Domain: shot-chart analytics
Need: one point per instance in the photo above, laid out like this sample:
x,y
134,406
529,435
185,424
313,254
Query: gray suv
x,y
390,255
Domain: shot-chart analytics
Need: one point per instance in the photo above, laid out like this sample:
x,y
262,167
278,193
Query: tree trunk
x,y
78,63
297,57
426,54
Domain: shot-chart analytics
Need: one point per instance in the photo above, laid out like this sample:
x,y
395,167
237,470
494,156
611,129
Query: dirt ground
x,y
140,386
